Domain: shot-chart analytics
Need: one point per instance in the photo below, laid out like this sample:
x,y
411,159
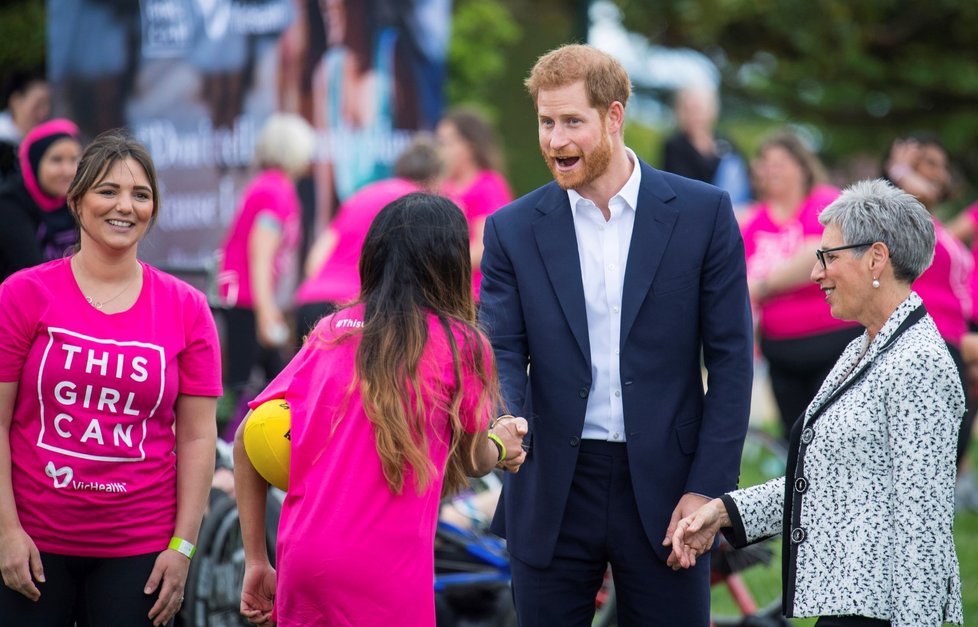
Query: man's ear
x,y
615,117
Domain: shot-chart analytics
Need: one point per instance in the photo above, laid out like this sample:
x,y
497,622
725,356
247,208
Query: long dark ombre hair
x,y
415,262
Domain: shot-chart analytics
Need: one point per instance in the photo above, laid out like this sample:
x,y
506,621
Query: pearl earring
x,y
876,284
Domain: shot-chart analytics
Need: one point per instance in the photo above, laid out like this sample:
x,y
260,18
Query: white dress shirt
x,y
603,248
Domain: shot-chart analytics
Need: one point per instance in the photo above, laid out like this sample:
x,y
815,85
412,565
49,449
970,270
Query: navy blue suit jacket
x,y
684,297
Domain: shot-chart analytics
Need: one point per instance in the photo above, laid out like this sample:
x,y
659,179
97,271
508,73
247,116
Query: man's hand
x,y
687,506
511,430
693,535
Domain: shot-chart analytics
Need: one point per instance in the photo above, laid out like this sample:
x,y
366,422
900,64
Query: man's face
x,y
573,136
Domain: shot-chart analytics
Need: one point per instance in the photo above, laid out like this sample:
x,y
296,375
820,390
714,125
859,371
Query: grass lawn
x,y
966,541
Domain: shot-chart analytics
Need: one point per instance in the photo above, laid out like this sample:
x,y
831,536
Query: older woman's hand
x,y
694,534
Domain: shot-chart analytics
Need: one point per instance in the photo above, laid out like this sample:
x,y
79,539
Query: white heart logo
x,y
61,475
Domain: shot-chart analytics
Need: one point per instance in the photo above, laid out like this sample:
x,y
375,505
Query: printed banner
x,y
195,79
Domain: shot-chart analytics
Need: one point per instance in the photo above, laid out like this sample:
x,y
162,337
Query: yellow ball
x,y
268,441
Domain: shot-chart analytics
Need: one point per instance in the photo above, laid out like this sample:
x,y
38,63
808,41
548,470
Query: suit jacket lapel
x,y
557,242
654,221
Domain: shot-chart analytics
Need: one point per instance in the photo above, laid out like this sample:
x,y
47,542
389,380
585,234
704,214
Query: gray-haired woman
x,y
867,505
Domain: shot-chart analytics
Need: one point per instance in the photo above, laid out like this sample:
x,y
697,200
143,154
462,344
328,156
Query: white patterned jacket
x,y
868,527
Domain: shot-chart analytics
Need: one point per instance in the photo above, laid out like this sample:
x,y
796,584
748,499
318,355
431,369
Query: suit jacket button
x,y
583,392
798,535
807,435
574,440
801,484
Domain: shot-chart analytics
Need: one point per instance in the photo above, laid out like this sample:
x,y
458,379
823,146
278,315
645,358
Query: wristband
x,y
499,445
497,420
182,546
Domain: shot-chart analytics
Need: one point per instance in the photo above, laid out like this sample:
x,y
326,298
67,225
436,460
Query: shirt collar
x,y
628,192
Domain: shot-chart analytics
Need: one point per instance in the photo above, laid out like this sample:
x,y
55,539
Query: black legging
x,y
243,352
87,591
306,317
798,366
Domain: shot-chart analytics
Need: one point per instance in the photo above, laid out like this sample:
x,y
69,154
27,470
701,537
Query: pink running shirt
x,y
972,212
800,312
338,280
487,193
91,440
271,195
349,551
944,286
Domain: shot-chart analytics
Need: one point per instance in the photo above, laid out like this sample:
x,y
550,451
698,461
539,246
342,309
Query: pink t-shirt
x,y
338,280
272,196
487,193
92,435
944,286
768,244
349,551
972,212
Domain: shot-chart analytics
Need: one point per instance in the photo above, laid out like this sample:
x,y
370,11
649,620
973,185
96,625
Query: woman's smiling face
x,y
117,210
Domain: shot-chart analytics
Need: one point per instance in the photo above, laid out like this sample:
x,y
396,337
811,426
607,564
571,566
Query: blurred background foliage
x,y
854,75
22,35
859,73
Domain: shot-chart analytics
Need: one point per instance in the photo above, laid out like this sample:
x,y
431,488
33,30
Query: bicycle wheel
x,y
605,609
213,591
746,588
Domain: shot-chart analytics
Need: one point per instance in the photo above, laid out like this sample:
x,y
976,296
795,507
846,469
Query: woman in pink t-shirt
x,y
259,260
798,336
472,179
332,278
390,400
919,166
109,378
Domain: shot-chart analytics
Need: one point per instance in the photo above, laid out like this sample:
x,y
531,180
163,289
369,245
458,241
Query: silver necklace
x,y
100,304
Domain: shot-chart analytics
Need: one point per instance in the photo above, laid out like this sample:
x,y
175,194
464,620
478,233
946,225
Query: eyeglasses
x,y
820,253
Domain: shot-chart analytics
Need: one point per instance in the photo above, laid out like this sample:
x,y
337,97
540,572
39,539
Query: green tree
x,y
482,31
22,34
862,72
494,44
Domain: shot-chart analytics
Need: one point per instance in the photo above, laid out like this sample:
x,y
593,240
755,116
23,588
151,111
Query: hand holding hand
x,y
169,577
19,562
511,430
693,535
258,593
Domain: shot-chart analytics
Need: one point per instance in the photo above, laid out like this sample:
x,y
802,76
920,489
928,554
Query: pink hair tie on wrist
x,y
898,171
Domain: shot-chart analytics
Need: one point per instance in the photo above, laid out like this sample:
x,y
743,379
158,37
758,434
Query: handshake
x,y
507,432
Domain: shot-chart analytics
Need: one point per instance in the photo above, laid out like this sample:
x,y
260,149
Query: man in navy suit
x,y
601,291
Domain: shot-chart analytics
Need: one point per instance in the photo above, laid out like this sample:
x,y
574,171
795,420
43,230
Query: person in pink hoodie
x,y
390,400
37,225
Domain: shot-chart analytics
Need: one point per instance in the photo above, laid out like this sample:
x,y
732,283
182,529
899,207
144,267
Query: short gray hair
x,y
286,141
420,161
876,211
